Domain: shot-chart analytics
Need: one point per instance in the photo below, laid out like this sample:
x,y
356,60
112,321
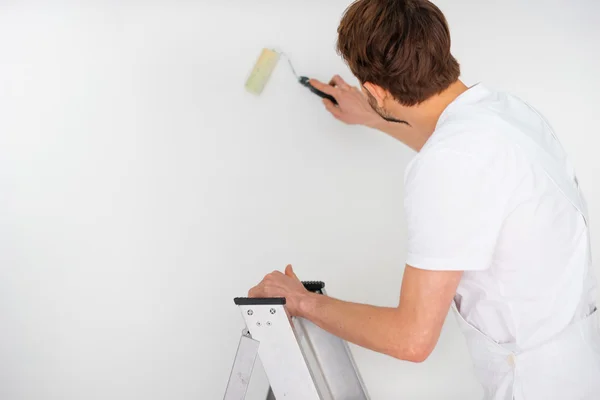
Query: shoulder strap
x,y
553,168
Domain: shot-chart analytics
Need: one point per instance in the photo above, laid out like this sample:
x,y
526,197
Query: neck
x,y
425,116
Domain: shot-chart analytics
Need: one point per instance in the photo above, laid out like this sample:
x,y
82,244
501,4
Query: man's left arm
x,y
408,332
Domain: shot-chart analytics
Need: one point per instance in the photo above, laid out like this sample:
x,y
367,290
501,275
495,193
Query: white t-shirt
x,y
475,202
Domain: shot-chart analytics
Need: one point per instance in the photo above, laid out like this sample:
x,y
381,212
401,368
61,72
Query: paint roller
x,y
263,68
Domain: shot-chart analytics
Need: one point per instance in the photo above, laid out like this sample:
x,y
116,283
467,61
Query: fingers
x,y
272,283
339,82
332,108
256,291
289,271
261,290
274,274
330,90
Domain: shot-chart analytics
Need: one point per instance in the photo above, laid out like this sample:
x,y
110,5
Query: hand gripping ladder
x,y
301,360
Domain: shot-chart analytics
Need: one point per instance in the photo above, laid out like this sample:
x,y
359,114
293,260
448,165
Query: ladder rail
x,y
301,360
281,356
243,365
333,358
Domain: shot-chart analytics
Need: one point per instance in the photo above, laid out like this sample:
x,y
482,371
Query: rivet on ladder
x,y
250,312
272,311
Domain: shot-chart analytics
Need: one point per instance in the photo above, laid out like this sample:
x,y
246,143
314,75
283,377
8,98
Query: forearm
x,y
382,329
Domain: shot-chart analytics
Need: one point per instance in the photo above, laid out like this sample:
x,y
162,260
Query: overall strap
x,y
552,166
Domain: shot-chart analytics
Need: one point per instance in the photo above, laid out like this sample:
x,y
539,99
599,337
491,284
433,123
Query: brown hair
x,y
402,46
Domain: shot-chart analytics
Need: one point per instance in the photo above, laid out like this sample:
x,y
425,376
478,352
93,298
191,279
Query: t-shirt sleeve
x,y
455,204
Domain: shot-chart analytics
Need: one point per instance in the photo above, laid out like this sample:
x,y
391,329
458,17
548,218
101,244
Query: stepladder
x,y
301,360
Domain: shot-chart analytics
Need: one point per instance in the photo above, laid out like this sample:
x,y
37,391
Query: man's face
x,y
380,110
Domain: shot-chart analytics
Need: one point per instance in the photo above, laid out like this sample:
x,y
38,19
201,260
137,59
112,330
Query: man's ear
x,y
377,92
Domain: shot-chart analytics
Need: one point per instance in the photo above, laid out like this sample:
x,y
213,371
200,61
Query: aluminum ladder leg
x,y
301,360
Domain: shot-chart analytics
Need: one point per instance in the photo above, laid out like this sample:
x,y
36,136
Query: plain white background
x,y
141,188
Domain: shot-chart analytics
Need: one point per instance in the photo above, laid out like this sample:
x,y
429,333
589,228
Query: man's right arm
x,y
354,109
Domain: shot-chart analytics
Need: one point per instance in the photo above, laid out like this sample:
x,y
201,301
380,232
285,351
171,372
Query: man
x,y
497,227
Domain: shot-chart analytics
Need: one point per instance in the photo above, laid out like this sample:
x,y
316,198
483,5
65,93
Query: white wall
x,y
141,188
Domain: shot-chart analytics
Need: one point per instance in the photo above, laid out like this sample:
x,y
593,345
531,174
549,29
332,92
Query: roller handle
x,y
304,82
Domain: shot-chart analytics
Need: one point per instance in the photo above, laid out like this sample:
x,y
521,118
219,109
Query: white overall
x,y
567,367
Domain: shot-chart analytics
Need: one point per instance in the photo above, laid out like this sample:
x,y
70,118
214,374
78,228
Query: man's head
x,y
399,50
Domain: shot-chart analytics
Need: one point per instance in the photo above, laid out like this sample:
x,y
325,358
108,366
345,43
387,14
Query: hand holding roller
x,y
264,68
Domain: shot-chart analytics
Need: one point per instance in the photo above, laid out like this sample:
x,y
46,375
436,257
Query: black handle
x,y
311,286
304,82
314,286
259,301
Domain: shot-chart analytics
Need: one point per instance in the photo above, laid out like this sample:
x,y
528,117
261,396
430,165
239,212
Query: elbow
x,y
419,356
415,352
